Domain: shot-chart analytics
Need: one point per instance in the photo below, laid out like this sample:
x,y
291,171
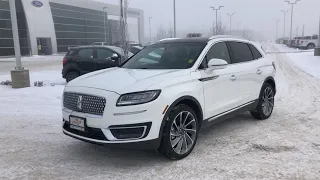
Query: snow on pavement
x,y
286,146
33,100
34,58
281,48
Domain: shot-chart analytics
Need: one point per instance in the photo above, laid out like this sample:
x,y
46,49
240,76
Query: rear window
x,y
134,50
240,52
70,52
256,54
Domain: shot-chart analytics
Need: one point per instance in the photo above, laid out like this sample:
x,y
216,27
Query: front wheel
x,y
180,132
311,46
266,103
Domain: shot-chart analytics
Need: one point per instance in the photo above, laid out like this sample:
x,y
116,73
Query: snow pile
x,y
35,58
307,62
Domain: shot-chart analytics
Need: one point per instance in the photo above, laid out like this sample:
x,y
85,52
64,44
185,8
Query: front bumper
x,y
99,136
129,127
145,145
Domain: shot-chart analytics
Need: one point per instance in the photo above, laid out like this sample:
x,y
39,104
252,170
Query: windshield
x,y
166,56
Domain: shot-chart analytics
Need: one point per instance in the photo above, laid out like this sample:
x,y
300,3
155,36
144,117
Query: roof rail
x,y
226,36
167,39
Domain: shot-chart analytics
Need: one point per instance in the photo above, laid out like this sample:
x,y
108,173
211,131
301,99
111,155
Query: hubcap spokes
x,y
183,132
268,101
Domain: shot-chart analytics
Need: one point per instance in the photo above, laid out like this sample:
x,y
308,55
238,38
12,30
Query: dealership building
x,y
53,26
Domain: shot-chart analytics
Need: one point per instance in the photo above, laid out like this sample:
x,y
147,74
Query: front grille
x,y
84,103
92,133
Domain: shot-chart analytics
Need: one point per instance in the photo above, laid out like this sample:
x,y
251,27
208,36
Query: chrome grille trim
x,y
89,104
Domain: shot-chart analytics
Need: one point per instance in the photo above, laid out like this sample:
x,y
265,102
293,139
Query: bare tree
x,y
170,31
124,26
220,30
163,33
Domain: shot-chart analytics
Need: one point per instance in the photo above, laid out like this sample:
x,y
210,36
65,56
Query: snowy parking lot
x,y
286,146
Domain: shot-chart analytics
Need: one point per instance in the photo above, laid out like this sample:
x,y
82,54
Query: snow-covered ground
x,y
286,146
33,100
34,58
281,48
307,62
34,63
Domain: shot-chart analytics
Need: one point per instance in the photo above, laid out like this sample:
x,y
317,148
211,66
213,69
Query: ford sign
x,y
37,4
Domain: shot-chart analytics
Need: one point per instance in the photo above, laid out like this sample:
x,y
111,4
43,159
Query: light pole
x,y
214,9
317,49
277,27
174,19
230,16
150,29
104,21
292,3
284,21
19,76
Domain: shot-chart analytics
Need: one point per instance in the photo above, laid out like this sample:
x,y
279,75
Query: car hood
x,y
121,80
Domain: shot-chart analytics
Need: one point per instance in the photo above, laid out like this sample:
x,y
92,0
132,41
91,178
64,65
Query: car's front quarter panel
x,y
182,86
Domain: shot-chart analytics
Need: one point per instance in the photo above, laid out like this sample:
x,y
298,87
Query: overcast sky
x,y
257,15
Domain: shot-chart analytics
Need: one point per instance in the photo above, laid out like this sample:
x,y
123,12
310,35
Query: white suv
x,y
163,95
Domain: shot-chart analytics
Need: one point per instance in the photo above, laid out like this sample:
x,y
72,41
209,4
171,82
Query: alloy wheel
x,y
311,46
268,101
183,132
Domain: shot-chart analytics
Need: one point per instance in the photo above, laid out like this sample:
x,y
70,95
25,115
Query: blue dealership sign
x,y
37,3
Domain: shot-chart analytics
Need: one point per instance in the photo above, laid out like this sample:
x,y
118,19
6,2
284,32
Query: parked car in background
x,y
163,96
308,42
292,42
85,59
100,44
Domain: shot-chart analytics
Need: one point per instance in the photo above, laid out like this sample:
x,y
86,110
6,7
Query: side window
x,y
240,52
86,53
255,52
104,53
219,51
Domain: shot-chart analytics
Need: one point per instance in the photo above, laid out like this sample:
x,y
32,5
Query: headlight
x,y
138,98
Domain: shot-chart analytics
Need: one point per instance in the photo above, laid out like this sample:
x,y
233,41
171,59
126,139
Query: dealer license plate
x,y
77,123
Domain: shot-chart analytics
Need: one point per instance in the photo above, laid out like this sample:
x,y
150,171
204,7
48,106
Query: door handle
x,y
233,78
259,71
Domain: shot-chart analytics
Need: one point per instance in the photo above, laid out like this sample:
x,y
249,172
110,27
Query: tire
x,y
264,108
178,141
311,46
72,75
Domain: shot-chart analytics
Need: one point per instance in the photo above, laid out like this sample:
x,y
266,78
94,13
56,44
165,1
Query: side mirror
x,y
217,64
114,57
